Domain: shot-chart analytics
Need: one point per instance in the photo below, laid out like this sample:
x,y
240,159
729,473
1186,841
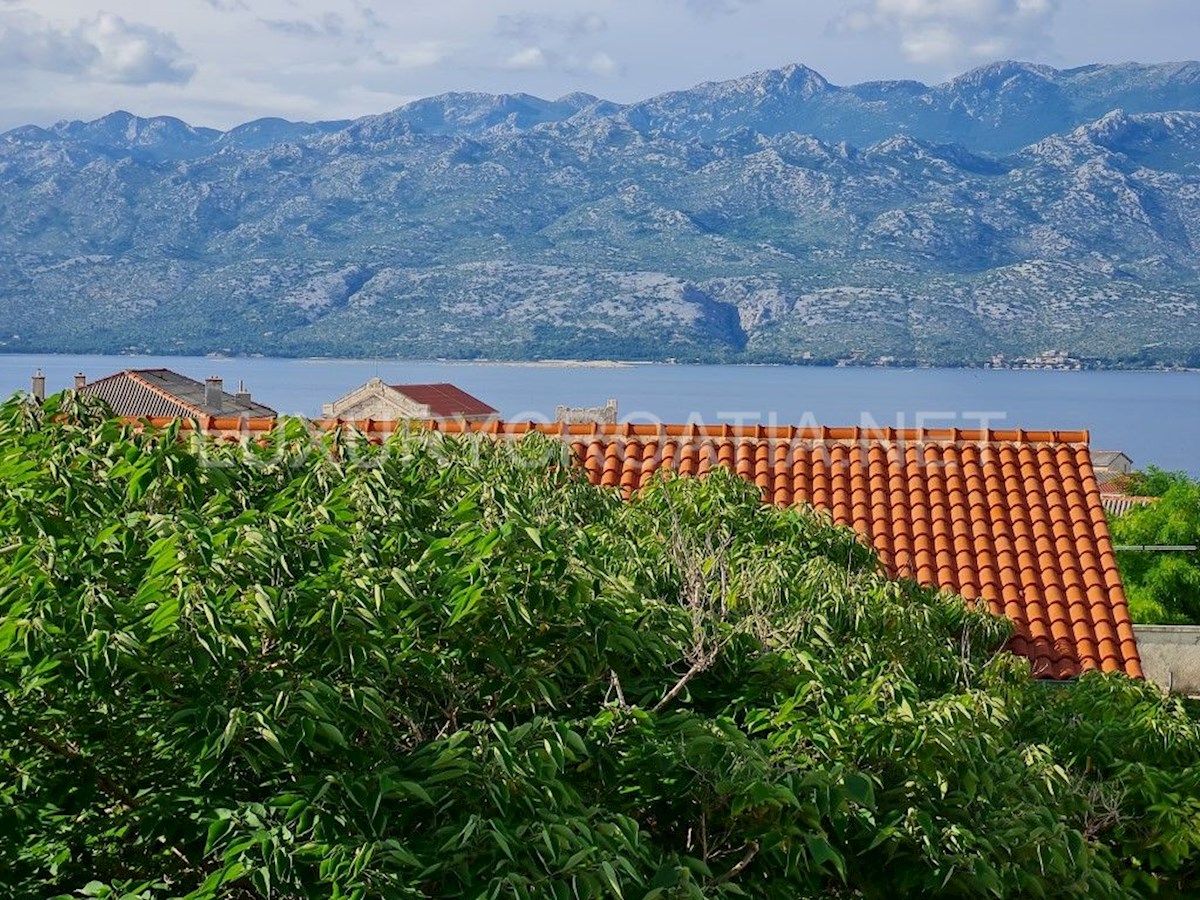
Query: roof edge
x,y
136,374
496,426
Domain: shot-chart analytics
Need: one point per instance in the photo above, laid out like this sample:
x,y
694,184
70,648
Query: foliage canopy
x,y
1154,482
1162,586
450,667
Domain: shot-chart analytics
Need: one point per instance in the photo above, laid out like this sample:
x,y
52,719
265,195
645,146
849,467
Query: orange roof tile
x,y
1008,518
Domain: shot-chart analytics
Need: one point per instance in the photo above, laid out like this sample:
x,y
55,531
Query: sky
x,y
222,62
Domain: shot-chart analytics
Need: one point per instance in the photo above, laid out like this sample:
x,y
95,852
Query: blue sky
x,y
220,62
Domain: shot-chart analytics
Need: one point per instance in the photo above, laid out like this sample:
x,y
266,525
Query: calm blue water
x,y
1152,416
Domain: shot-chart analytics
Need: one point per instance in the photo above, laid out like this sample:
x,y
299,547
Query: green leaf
x,y
610,876
415,790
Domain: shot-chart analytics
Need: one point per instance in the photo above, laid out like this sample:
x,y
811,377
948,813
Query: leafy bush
x,y
1154,482
1163,586
451,667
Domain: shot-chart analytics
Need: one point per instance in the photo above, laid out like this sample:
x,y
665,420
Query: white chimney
x,y
39,385
214,393
242,394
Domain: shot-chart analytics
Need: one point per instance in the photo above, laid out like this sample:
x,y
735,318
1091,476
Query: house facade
x,y
1115,462
381,401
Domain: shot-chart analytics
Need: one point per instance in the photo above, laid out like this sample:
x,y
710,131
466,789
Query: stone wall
x,y
1171,656
582,415
381,408
375,400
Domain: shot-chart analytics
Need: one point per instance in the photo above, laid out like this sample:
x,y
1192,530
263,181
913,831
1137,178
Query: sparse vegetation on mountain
x,y
774,217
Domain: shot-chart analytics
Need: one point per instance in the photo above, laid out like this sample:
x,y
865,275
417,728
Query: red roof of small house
x,y
445,401
1111,482
1012,518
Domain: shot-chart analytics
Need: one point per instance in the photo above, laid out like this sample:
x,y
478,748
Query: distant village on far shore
x,y
1046,360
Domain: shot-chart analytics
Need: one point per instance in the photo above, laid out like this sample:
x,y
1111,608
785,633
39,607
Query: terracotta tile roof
x,y
1012,519
445,401
153,393
1112,482
1009,518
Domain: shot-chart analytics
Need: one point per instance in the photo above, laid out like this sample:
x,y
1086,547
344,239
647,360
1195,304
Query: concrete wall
x,y
1171,656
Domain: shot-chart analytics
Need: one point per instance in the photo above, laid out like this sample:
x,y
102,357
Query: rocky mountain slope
x,y
773,217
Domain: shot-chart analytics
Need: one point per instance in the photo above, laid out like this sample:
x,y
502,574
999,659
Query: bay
x,y
1152,416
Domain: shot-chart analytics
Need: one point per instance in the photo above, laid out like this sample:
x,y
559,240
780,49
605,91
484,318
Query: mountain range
x,y
776,217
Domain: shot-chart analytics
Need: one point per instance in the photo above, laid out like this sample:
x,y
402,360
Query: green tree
x,y
1154,482
1162,586
450,667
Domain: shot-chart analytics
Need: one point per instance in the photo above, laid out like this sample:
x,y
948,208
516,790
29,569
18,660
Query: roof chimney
x,y
214,392
242,394
80,380
39,385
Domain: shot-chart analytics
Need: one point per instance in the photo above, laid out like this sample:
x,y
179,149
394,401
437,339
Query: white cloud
x,y
555,43
589,23
129,53
716,7
420,55
603,65
52,66
329,25
105,48
526,26
957,31
527,59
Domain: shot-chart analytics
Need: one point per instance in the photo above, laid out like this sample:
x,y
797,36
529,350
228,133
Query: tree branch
x,y
615,685
69,751
740,865
697,667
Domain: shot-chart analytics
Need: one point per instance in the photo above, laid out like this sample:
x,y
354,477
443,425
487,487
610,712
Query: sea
x,y
1154,417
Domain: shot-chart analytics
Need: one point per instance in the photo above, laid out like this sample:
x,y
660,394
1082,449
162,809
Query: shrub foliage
x,y
1163,586
449,667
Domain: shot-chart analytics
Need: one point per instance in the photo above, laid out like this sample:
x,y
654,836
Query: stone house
x,y
150,393
576,415
380,401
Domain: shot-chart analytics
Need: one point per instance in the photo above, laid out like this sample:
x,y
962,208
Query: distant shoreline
x,y
611,363
552,363
1153,417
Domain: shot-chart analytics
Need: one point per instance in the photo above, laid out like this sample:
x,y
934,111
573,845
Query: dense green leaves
x,y
1163,586
1154,482
452,668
